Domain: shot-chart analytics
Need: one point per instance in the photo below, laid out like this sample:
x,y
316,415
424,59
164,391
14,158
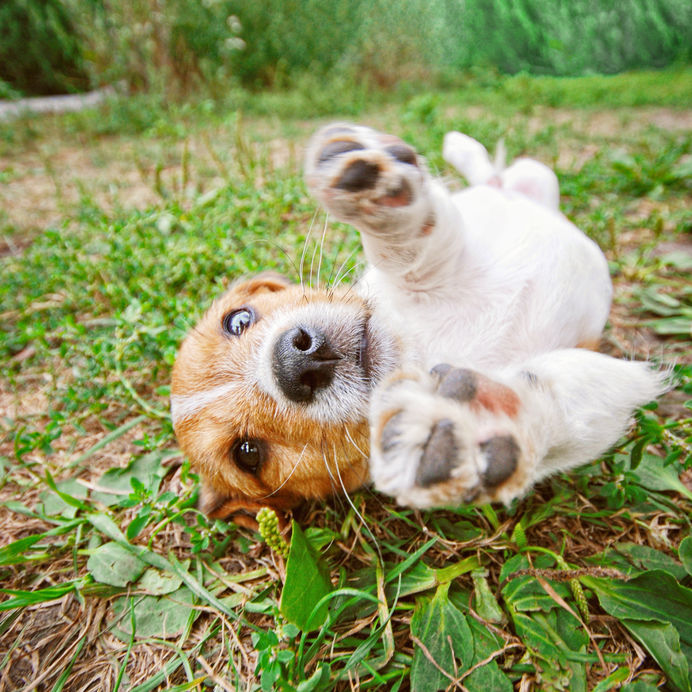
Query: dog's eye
x,y
238,321
248,455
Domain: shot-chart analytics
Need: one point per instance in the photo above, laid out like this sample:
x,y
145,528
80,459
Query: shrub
x,y
40,52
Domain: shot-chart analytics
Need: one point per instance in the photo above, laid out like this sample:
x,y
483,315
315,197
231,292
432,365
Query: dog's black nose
x,y
358,176
304,361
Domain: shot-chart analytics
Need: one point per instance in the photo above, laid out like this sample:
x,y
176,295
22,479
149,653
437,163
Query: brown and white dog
x,y
452,374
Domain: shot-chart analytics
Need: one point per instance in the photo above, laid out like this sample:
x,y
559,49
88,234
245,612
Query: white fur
x,y
493,278
187,405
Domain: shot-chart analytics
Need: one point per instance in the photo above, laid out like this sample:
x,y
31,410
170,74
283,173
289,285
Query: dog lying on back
x,y
456,372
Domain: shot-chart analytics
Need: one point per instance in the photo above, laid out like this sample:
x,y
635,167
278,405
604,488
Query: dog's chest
x,y
461,330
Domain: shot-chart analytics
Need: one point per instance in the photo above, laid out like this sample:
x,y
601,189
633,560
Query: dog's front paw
x,y
373,180
448,437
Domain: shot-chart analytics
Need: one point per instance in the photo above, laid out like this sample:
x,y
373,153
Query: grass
x,y
118,231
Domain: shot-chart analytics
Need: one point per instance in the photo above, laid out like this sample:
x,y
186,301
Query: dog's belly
x,y
527,281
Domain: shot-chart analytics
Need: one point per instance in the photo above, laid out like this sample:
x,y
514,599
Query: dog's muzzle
x,y
303,363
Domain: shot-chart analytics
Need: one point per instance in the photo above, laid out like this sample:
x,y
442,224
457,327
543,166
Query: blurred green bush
x,y
177,46
40,50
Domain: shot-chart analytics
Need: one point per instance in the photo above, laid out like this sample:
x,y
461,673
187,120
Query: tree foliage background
x,y
58,46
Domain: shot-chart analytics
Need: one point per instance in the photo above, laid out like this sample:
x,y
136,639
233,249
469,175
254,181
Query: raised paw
x,y
448,437
373,180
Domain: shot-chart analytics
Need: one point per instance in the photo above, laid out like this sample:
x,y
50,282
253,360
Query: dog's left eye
x,y
247,454
238,321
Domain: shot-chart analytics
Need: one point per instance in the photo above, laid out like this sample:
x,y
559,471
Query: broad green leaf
x,y
487,678
524,593
306,584
443,629
555,640
319,680
104,524
685,553
613,680
656,599
673,326
663,642
632,559
66,497
147,469
655,475
638,686
162,617
53,505
653,595
461,530
485,603
114,565
158,583
421,577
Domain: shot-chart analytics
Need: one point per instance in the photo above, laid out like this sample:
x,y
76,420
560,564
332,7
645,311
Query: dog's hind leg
x,y
470,158
525,176
454,436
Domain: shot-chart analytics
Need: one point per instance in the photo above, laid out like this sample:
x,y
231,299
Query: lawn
x,y
119,226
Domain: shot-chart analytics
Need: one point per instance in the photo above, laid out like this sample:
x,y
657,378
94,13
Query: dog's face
x,y
270,394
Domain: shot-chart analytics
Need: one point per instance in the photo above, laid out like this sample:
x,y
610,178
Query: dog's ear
x,y
241,511
267,282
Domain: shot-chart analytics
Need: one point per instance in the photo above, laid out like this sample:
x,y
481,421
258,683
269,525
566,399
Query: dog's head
x,y
270,391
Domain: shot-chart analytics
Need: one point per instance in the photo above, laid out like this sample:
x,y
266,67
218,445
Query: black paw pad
x,y
439,455
390,432
339,146
502,455
358,176
402,152
456,383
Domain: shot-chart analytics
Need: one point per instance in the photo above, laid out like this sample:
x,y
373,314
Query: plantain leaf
x,y
658,612
443,630
306,584
487,678
555,640
685,553
52,504
632,559
485,603
524,593
663,642
114,565
421,577
654,474
163,617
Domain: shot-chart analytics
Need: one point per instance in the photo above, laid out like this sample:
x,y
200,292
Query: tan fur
x,y
302,454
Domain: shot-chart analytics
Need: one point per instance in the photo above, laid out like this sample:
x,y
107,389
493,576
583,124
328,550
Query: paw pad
x,y
439,456
502,455
459,384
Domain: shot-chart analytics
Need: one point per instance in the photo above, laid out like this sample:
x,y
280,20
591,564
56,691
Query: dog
x,y
459,370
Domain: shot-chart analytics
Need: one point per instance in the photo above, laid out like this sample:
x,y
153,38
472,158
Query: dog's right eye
x,y
238,321
247,455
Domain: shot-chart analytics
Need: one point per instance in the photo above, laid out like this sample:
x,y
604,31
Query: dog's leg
x,y
411,230
525,176
454,435
470,158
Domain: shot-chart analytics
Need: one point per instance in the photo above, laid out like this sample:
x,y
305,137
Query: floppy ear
x,y
241,511
266,282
